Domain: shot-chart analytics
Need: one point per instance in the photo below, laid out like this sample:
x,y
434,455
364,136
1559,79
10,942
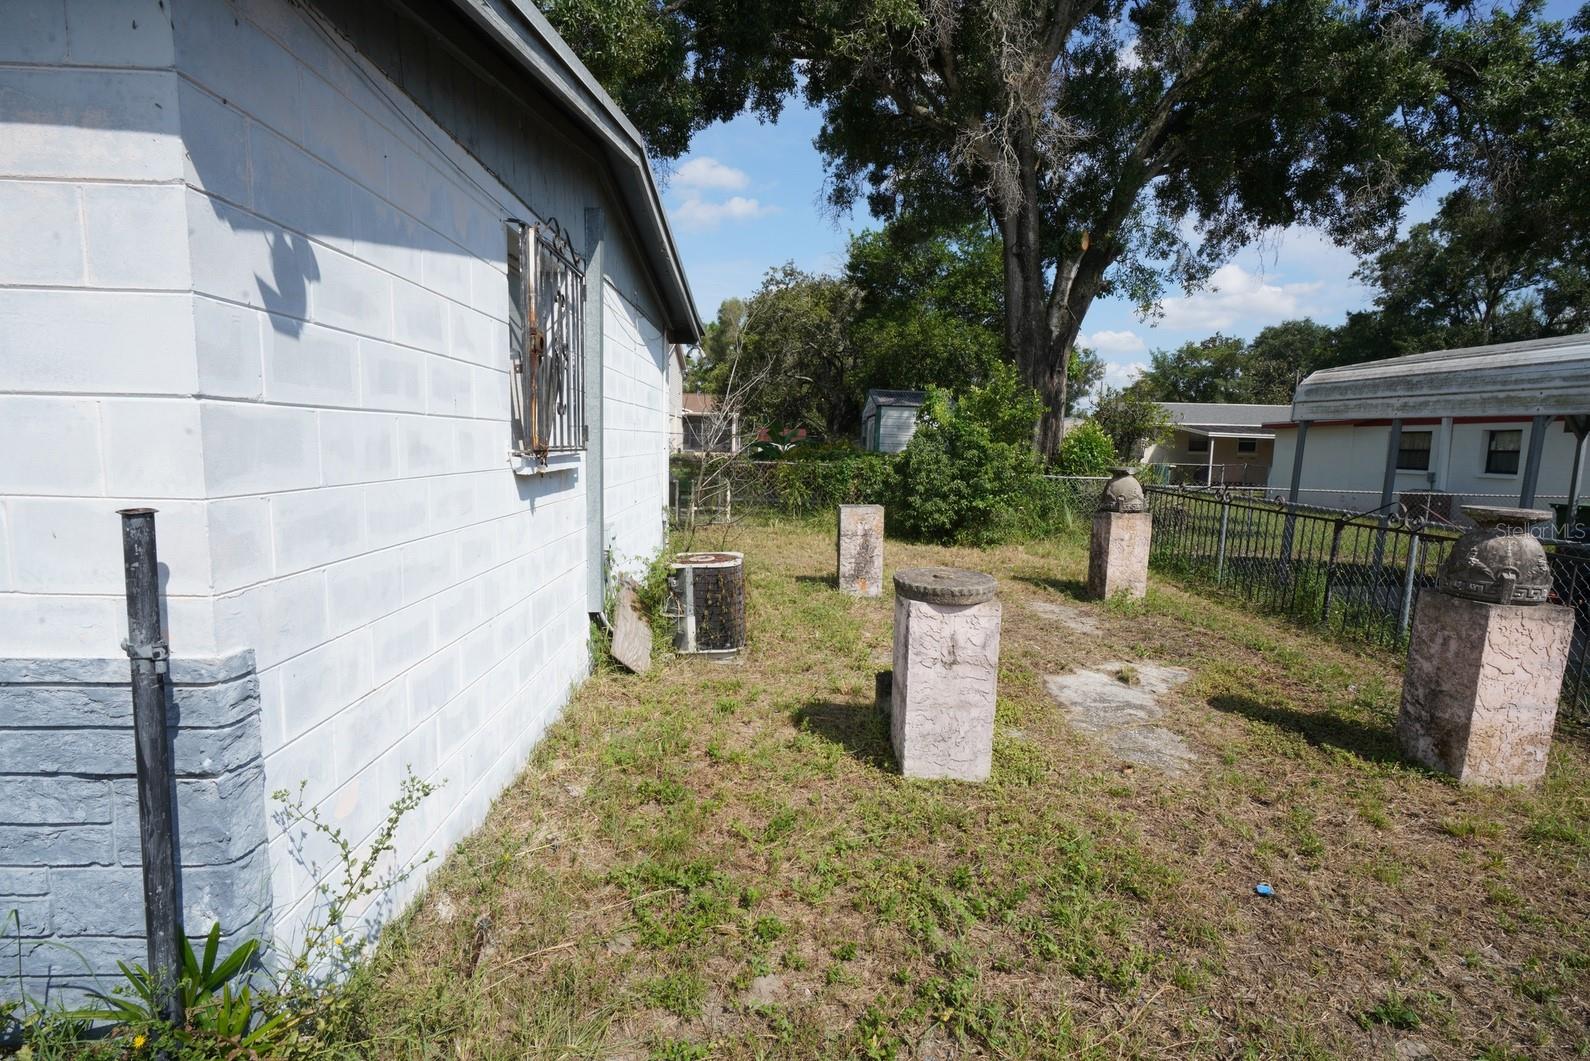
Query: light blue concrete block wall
x,y
71,886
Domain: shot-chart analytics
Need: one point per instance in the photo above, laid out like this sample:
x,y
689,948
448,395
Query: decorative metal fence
x,y
1357,574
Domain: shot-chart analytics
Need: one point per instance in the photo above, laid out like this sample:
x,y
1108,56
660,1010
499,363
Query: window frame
x,y
1193,443
1403,450
546,341
1249,446
1491,451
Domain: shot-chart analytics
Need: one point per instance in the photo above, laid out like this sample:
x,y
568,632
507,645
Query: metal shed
x,y
888,419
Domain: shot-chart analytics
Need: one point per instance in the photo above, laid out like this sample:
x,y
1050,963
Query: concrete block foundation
x,y
1118,554
69,851
1479,699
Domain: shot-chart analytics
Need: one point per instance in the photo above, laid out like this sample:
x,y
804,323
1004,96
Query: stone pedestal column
x,y
1479,699
1486,656
1118,554
861,550
946,669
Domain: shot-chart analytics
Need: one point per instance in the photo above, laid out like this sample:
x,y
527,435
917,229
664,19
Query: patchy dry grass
x,y
719,861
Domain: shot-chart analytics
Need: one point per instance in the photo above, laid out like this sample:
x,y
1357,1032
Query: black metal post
x,y
1388,487
1537,442
1580,426
148,653
1291,495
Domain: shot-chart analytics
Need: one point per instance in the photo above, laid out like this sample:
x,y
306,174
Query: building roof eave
x,y
1534,378
534,45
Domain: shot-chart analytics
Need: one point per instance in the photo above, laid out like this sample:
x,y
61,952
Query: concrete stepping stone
x,y
1117,704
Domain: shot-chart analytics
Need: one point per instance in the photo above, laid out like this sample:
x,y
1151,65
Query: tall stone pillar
x,y
861,550
1118,548
946,670
1486,657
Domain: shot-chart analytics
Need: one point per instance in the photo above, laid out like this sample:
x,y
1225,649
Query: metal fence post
x,y
148,655
1330,571
1405,613
1220,556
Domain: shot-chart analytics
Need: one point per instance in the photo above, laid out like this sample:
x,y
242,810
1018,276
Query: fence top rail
x,y
1394,517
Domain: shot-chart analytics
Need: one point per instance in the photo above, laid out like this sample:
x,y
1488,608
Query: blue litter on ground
x,y
1262,888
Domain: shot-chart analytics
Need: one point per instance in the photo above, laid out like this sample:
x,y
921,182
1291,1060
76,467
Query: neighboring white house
x,y
259,272
888,419
1217,443
1493,424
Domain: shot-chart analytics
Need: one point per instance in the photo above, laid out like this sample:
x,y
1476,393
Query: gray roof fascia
x,y
1540,377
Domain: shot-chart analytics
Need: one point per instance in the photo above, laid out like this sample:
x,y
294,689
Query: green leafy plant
x,y
817,483
1086,450
969,475
212,1011
327,946
284,1013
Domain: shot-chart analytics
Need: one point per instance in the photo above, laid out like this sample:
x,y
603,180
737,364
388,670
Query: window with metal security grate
x,y
546,337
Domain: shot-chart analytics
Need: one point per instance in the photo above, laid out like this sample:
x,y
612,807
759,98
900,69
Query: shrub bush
x,y
804,486
1086,450
969,475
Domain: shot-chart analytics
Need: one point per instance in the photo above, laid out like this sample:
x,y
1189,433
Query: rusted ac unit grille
x,y
708,591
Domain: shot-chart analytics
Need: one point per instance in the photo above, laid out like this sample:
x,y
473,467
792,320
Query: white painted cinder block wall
x,y
266,294
635,433
96,327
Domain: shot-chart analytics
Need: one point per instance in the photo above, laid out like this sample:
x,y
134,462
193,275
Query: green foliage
x,y
287,1012
932,304
969,475
1132,420
915,305
804,486
1207,370
1086,450
800,361
218,1020
708,370
677,68
1084,371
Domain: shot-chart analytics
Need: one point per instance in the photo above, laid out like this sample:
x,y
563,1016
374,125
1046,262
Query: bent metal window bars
x,y
546,340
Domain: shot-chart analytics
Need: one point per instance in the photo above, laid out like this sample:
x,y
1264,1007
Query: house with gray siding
x,y
888,419
374,303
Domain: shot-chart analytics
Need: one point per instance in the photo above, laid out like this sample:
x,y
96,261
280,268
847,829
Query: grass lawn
x,y
720,861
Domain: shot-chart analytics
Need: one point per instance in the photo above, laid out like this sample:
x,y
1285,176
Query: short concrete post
x,y
1118,549
861,550
1486,657
946,670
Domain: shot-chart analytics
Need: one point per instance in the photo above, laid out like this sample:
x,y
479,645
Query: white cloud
x,y
1236,295
706,172
697,213
1108,342
1123,374
1128,56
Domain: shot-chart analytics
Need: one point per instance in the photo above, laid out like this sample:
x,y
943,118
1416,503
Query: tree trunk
x,y
1026,329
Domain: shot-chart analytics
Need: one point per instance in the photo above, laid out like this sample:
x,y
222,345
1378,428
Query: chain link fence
x,y
708,489
1356,574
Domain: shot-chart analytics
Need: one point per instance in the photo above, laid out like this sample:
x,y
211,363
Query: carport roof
x,y
1540,377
